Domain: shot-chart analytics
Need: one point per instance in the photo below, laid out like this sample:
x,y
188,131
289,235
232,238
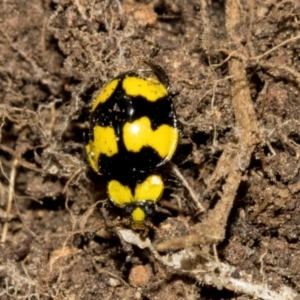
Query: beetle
x,y
133,132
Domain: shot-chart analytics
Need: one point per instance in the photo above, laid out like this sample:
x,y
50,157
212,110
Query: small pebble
x,y
113,282
140,275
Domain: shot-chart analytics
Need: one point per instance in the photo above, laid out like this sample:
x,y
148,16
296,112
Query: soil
x,y
228,225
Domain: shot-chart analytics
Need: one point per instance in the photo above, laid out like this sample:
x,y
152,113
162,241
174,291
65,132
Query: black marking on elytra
x,y
121,108
129,167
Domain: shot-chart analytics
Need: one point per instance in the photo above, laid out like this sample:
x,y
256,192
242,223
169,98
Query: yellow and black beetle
x,y
133,131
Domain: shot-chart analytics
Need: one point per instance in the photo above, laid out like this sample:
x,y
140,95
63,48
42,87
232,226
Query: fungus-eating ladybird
x,y
133,132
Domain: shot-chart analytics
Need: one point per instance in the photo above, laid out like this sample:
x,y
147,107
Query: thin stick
x,y
70,180
11,192
193,194
294,38
21,161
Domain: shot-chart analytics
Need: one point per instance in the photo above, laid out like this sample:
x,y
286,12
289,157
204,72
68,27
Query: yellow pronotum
x,y
149,190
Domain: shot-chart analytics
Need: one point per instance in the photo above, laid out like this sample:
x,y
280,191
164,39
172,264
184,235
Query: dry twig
x,y
11,192
236,157
192,193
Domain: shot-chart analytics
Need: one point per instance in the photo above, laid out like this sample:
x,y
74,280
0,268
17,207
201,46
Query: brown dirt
x,y
235,72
